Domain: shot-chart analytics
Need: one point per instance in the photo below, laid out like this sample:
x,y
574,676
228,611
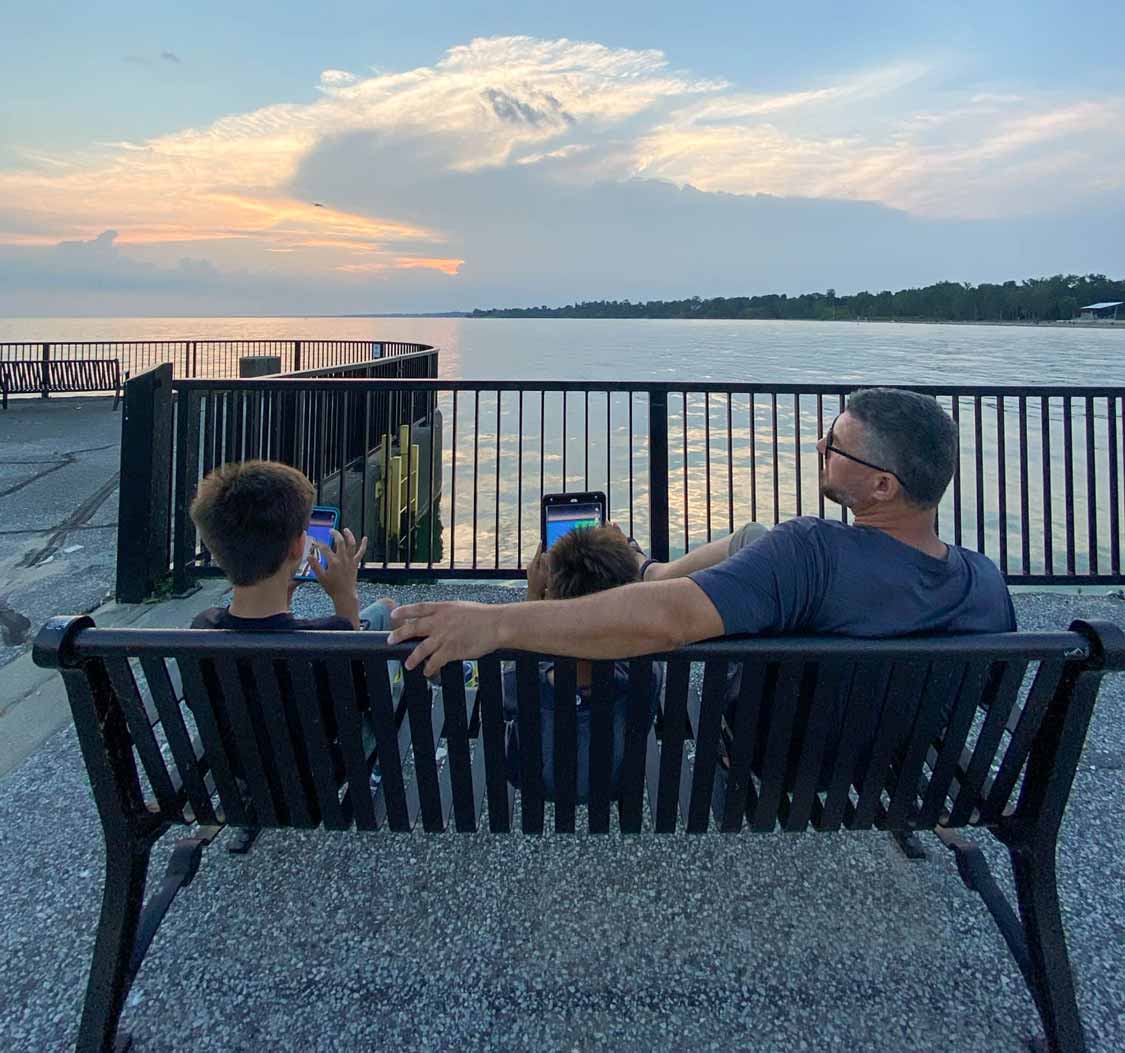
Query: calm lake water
x,y
563,349
730,458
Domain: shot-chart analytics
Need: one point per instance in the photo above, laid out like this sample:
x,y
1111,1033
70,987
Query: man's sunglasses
x,y
830,447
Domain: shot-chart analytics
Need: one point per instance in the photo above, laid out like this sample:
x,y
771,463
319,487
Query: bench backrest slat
x,y
198,680
180,743
904,696
669,760
563,746
704,799
1031,717
241,703
380,705
954,734
864,707
819,720
317,758
460,749
999,699
942,682
784,682
140,728
894,735
602,723
423,715
531,745
348,699
630,803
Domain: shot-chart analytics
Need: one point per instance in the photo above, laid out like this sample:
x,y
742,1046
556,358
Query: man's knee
x,y
746,535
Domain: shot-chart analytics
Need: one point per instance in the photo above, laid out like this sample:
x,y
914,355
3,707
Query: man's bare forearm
x,y
697,559
619,623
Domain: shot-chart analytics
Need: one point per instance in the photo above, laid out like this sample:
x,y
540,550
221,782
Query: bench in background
x,y
34,376
198,729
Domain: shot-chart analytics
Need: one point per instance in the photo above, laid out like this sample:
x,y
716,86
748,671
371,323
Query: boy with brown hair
x,y
582,562
252,517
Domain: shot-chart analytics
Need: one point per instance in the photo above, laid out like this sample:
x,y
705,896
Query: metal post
x,y
45,386
658,474
146,460
296,356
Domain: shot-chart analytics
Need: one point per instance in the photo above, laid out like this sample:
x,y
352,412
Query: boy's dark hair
x,y
249,513
589,559
911,435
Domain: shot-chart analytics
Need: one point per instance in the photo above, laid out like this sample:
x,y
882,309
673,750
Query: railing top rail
x,y
421,351
314,383
287,341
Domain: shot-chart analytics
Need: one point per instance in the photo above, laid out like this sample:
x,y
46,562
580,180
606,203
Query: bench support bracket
x,y
1036,943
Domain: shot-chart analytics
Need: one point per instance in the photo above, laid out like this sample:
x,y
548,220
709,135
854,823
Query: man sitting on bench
x,y
888,458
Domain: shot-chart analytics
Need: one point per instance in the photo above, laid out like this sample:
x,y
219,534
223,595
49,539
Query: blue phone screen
x,y
562,519
321,524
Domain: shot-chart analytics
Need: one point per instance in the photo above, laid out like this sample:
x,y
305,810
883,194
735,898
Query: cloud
x,y
170,56
478,167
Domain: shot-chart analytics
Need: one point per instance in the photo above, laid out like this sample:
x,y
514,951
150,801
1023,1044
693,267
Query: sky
x,y
281,158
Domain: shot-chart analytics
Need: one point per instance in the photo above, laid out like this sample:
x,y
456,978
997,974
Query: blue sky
x,y
153,155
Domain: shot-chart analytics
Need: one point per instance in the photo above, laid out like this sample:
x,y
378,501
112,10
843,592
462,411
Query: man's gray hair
x,y
910,435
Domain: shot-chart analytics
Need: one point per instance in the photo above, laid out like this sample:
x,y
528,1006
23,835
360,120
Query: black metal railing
x,y
445,477
210,358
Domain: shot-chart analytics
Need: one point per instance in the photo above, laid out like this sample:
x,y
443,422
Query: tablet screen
x,y
561,519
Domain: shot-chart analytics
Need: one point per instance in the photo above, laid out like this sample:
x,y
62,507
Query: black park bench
x,y
200,729
37,376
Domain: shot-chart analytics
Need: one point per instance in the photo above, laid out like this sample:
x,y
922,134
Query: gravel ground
x,y
319,941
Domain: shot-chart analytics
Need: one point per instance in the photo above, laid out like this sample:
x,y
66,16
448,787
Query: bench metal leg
x,y
126,868
125,932
1052,981
1034,938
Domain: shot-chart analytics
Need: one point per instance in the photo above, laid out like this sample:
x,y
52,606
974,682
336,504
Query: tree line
x,y
1034,300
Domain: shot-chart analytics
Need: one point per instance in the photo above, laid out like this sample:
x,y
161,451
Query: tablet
x,y
322,522
563,513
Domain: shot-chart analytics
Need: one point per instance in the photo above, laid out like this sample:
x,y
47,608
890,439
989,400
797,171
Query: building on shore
x,y
1102,312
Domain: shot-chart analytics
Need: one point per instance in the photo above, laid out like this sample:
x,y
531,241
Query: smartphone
x,y
563,513
323,520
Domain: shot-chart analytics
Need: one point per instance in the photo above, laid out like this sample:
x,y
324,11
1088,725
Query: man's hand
x,y
448,631
538,571
339,571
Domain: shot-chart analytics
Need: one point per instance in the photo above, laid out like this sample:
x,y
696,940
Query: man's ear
x,y
297,548
886,487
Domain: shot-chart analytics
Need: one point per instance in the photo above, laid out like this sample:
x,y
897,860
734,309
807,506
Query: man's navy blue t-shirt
x,y
821,576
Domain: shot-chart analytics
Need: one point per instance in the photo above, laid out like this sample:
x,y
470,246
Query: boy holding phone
x,y
252,516
581,561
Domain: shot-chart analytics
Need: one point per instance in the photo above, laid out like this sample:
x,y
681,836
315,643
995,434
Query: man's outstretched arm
x,y
619,623
697,559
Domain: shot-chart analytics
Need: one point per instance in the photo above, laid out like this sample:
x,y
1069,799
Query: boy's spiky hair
x,y
249,513
589,559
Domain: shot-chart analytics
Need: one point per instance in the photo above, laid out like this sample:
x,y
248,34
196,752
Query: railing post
x,y
143,515
658,474
45,386
194,362
296,356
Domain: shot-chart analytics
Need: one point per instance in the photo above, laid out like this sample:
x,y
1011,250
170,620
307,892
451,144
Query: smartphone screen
x,y
560,519
321,524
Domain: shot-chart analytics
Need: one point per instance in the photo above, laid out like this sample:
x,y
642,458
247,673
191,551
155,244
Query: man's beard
x,y
841,497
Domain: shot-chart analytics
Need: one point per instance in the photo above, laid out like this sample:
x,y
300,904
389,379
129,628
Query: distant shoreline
x,y
1072,323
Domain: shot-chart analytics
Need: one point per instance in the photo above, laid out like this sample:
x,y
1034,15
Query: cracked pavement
x,y
58,512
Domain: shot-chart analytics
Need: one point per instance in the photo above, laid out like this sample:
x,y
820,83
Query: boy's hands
x,y
338,573
538,571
